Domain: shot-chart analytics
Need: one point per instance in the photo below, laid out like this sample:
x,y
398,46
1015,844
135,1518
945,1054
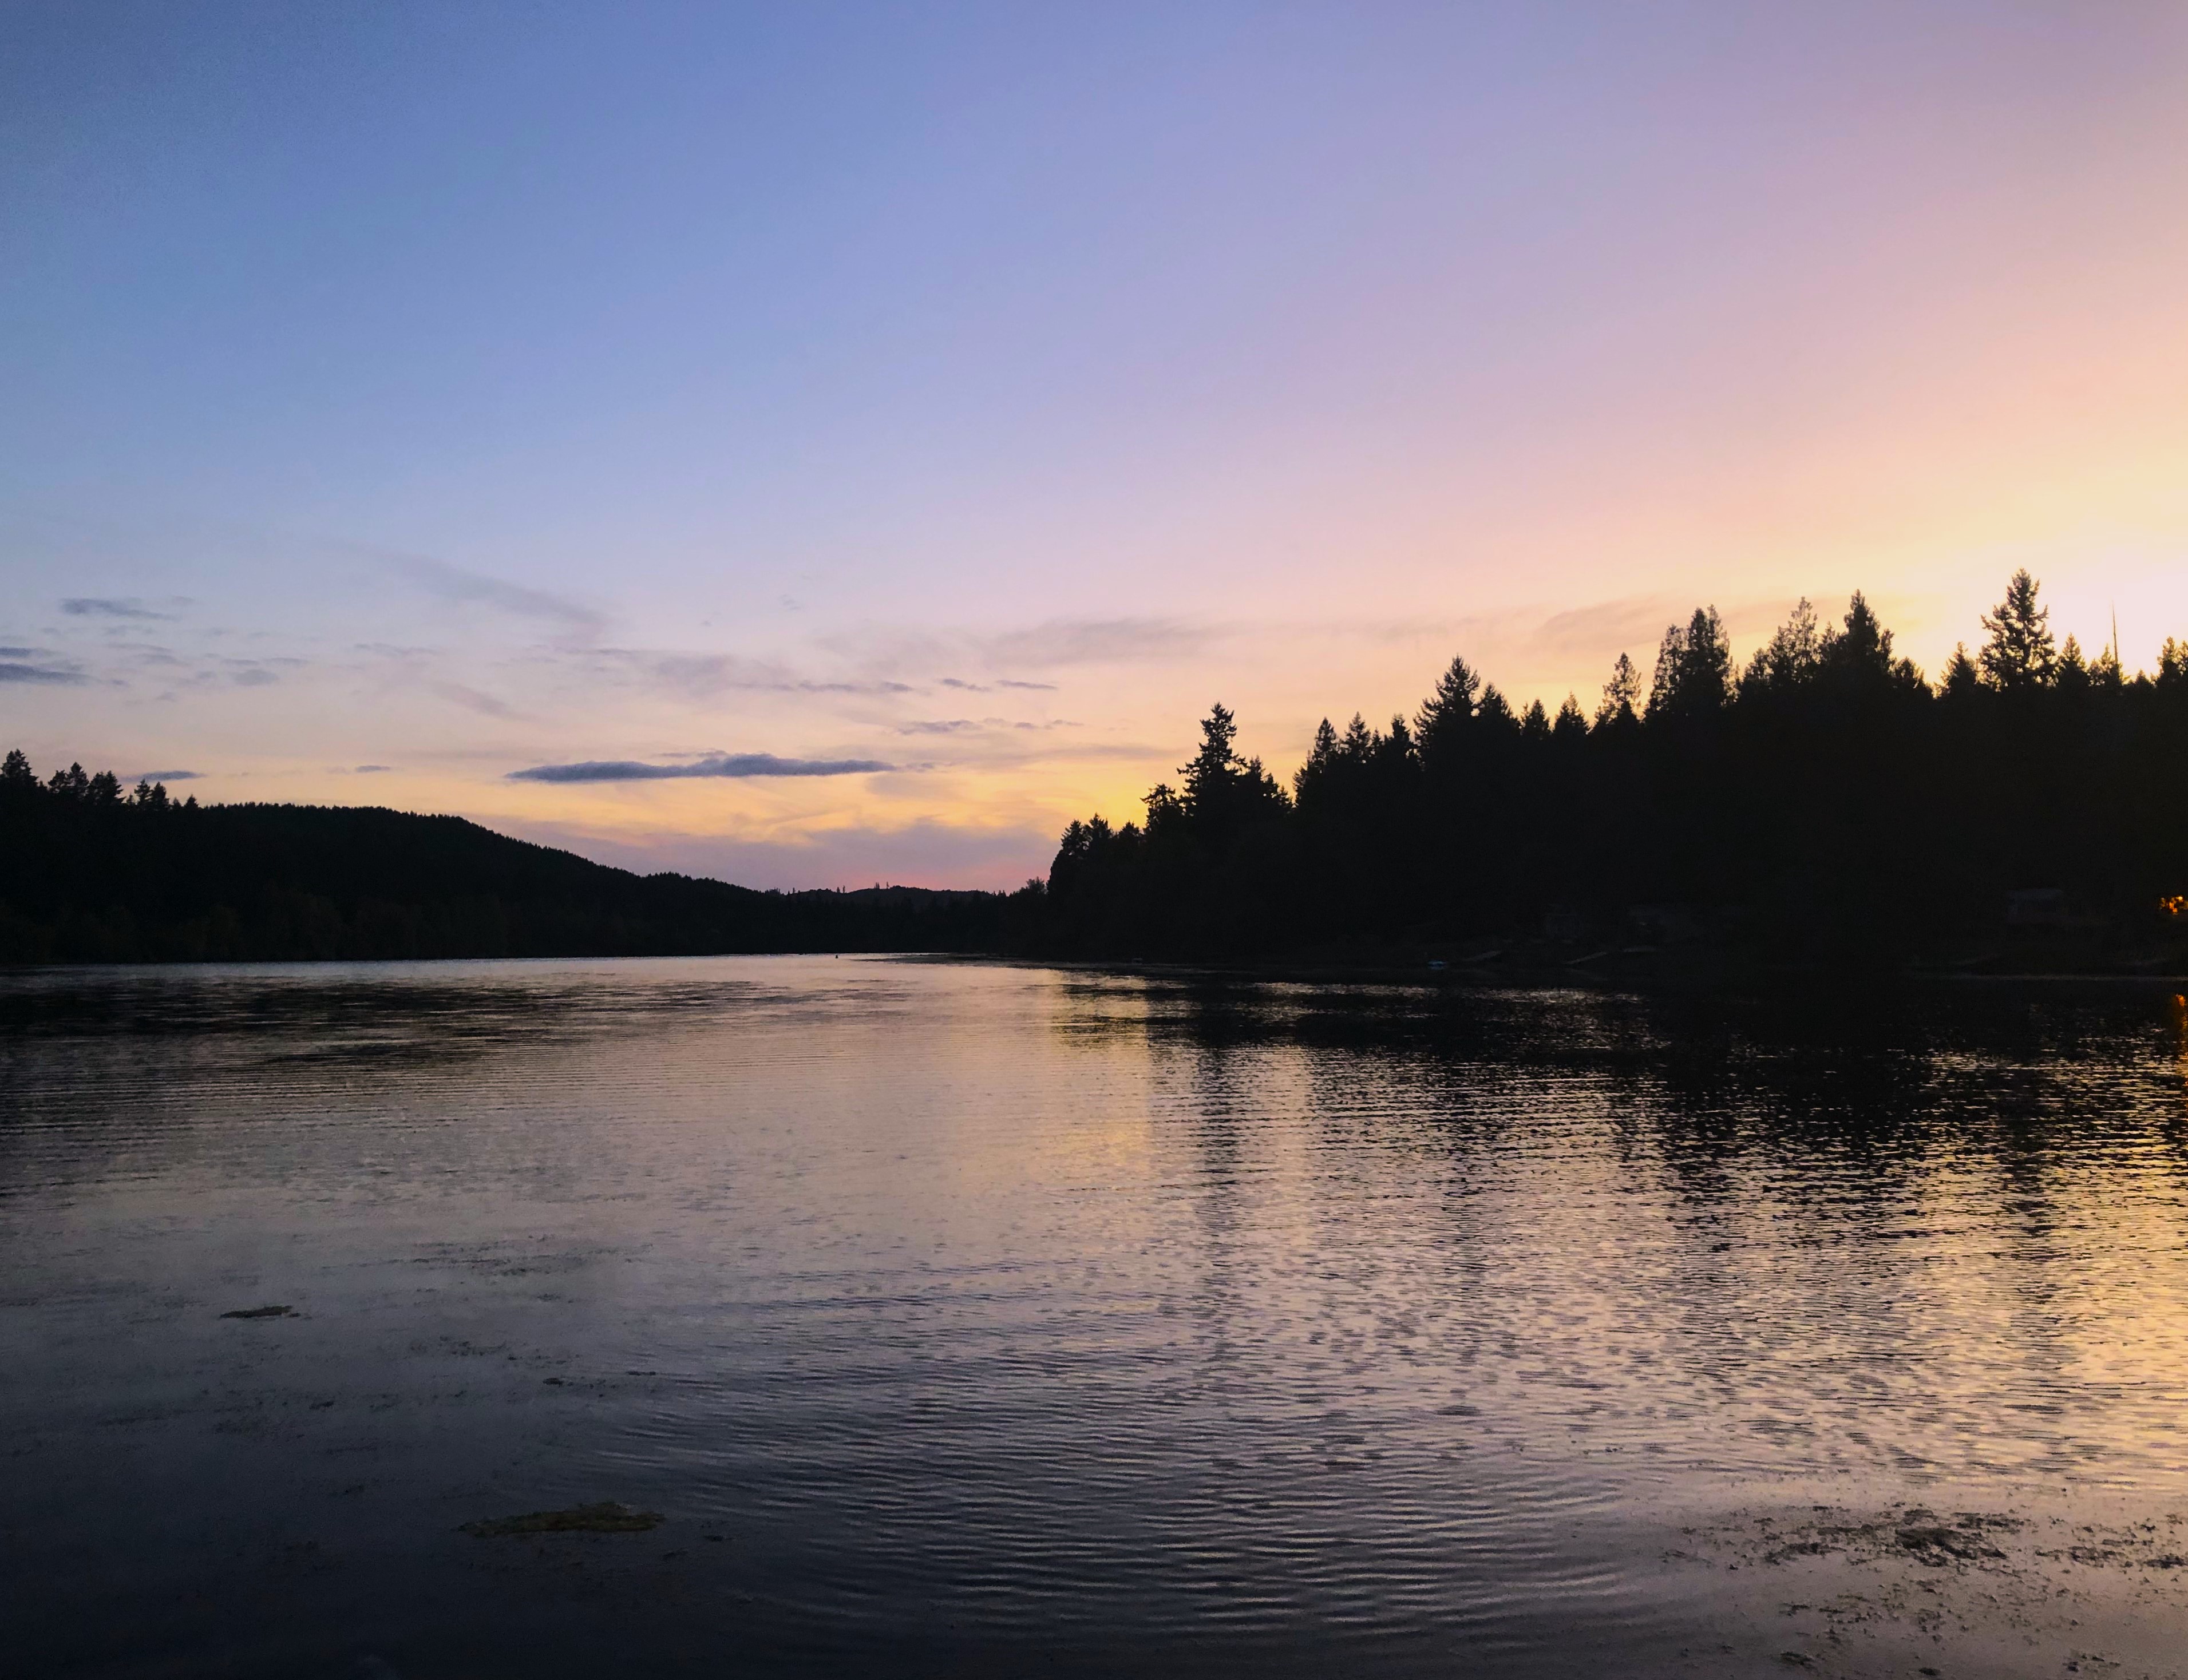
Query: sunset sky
x,y
946,403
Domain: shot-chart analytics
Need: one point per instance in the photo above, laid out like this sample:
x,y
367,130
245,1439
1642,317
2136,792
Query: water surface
x,y
964,1319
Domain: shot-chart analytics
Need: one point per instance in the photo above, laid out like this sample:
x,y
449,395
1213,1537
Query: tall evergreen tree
x,y
1209,774
1861,645
1622,695
2105,671
1840,806
1223,791
2072,672
1314,777
1858,652
1789,658
2019,654
1693,669
1444,715
1960,680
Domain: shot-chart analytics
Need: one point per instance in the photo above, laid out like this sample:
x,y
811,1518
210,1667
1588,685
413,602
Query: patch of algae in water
x,y
607,1517
1911,1591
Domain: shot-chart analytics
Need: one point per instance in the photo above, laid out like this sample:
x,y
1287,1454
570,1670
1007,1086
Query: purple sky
x,y
905,420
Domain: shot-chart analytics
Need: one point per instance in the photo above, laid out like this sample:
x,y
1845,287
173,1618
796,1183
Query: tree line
x,y
1822,801
90,872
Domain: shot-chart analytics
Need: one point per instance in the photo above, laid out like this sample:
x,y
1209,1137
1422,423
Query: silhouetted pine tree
x,y
2019,654
1622,695
1827,796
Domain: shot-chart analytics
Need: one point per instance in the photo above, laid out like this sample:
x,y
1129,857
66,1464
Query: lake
x,y
978,1319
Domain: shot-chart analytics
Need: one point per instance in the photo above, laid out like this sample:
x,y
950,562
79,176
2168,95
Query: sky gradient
x,y
814,446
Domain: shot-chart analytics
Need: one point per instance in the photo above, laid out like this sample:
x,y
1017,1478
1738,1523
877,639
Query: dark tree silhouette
x,y
1860,650
87,874
1622,695
1790,658
2019,654
1961,678
1441,723
1826,804
1694,669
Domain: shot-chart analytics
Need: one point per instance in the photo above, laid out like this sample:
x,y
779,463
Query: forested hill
x,y
89,873
1822,804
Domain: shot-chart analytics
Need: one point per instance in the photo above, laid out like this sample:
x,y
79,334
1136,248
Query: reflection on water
x,y
965,1319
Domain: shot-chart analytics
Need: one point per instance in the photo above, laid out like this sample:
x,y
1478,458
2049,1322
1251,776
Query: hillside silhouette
x,y
89,873
1823,803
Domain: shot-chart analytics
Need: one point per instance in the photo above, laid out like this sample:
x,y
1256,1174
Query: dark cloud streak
x,y
734,765
108,606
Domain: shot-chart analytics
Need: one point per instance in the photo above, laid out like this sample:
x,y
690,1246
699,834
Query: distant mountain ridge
x,y
89,874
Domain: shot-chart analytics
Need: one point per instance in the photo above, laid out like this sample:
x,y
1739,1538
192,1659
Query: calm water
x,y
965,1319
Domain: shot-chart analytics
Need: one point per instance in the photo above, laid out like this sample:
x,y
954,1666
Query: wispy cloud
x,y
121,606
735,765
1016,747
150,656
455,583
1098,641
962,725
14,671
907,652
700,676
1604,629
370,769
1636,623
168,775
474,700
1000,682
